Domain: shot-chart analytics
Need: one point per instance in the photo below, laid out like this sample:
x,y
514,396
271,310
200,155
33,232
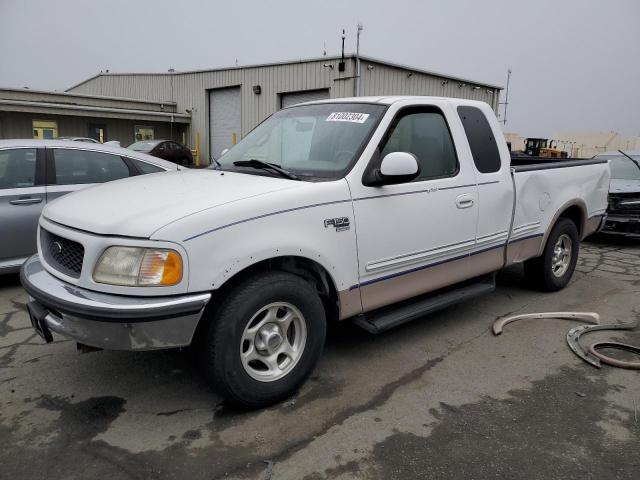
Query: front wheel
x,y
554,268
265,339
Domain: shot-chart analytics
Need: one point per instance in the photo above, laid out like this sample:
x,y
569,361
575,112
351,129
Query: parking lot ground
x,y
438,398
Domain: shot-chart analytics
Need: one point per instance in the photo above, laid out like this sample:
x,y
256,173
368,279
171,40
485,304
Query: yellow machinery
x,y
542,147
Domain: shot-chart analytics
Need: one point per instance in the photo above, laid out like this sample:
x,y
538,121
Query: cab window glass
x,y
145,167
17,168
426,135
481,139
81,166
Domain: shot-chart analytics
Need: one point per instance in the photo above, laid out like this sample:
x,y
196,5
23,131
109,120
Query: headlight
x,y
138,267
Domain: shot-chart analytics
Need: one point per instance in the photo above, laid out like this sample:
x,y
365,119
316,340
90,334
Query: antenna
x,y
506,97
360,28
341,64
324,49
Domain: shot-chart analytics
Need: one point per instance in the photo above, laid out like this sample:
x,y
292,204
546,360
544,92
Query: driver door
x,y
415,237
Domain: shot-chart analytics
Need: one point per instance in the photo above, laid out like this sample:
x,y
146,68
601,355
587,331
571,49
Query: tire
x,y
253,312
548,273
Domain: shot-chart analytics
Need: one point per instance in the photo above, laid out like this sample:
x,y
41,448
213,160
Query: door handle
x,y
25,201
464,201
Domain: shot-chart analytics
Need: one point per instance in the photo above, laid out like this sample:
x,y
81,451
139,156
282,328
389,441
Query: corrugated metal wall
x,y
19,125
379,79
190,90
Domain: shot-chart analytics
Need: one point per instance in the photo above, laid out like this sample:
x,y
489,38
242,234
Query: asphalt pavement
x,y
438,398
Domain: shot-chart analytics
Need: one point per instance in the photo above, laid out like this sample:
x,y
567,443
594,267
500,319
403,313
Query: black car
x,y
623,214
165,149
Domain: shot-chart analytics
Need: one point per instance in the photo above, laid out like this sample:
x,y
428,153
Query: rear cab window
x,y
484,148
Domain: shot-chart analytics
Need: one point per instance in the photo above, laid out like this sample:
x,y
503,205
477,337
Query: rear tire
x,y
552,270
264,340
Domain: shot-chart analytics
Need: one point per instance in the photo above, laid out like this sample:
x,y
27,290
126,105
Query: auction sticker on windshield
x,y
347,117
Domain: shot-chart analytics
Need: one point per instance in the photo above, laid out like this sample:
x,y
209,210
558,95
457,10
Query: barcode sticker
x,y
347,117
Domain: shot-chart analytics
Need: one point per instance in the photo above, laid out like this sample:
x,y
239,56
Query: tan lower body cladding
x,y
396,288
591,225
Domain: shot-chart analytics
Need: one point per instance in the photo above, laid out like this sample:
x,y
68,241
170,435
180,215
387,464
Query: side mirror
x,y
224,151
396,167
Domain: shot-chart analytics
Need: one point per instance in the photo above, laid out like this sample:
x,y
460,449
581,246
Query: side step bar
x,y
382,319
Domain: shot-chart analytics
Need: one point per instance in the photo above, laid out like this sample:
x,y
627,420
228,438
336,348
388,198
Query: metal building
x,y
41,115
226,104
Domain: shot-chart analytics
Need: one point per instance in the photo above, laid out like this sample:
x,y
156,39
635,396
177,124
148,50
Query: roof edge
x,y
350,56
85,95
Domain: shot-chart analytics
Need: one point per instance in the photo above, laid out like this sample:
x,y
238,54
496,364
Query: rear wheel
x,y
264,340
554,268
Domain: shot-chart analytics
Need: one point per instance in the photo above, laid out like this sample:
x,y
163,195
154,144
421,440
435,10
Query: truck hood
x,y
138,206
624,186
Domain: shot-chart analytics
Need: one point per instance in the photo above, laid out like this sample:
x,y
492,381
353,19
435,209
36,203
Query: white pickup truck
x,y
373,209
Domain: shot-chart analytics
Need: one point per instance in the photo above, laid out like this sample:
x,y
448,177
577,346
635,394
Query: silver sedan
x,y
34,172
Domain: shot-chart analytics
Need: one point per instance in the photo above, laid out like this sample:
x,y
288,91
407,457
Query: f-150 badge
x,y
340,223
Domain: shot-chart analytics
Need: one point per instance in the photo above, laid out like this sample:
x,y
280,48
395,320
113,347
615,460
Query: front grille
x,y
624,203
61,253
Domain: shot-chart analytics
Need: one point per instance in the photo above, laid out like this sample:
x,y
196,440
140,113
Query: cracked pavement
x,y
437,398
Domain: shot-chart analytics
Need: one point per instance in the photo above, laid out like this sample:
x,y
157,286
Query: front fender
x,y
224,241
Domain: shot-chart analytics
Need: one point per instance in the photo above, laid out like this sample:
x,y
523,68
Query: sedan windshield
x,y
623,168
145,146
319,140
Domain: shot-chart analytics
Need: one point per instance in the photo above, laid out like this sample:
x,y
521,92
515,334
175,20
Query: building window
x,y
45,129
143,133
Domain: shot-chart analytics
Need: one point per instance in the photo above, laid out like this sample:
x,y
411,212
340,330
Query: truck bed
x,y
545,188
526,164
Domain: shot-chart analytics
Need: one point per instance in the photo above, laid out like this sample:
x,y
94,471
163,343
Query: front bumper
x,y
113,322
622,225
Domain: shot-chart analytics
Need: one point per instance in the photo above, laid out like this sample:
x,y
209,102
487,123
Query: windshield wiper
x,y
259,164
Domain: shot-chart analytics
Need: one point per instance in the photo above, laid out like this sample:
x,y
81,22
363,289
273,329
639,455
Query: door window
x,y
425,134
17,168
80,166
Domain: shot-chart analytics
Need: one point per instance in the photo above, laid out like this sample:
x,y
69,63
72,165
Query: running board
x,y
385,318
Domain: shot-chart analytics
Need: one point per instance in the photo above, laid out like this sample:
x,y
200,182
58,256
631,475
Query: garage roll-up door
x,y
224,119
288,99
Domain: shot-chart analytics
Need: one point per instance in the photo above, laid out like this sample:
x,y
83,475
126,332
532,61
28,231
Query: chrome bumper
x,y
113,322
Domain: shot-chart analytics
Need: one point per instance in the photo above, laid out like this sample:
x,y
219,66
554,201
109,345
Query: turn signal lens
x,y
160,267
139,267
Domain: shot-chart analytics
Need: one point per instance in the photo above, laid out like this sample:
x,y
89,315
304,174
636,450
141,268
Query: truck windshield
x,y
318,141
624,169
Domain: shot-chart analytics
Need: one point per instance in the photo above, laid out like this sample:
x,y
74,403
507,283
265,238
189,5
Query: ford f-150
x,y
374,209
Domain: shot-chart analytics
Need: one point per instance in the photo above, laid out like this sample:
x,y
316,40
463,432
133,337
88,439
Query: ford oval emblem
x,y
57,247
